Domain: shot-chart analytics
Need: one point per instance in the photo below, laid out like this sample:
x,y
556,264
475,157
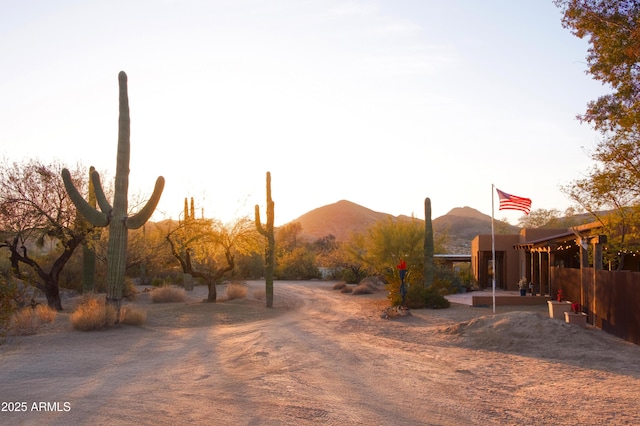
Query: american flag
x,y
513,202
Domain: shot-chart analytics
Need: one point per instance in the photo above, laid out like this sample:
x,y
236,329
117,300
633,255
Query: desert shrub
x,y
129,291
132,316
28,320
236,291
93,314
168,294
259,294
419,297
8,293
349,276
24,322
339,286
346,289
447,281
298,264
363,288
158,282
45,313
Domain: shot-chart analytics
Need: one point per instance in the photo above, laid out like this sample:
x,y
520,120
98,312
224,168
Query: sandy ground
x,y
321,357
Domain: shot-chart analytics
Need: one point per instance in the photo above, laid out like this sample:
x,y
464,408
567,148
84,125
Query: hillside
x,y
341,219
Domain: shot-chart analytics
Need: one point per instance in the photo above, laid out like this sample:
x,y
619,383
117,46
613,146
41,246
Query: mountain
x,y
462,224
341,219
338,219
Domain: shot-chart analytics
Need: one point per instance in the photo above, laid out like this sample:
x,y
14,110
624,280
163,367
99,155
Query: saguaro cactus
x,y
428,244
88,249
116,217
269,252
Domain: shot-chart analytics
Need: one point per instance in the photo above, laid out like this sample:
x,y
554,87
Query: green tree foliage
x,y
613,31
612,28
324,248
287,236
613,206
538,218
388,241
295,259
297,264
349,256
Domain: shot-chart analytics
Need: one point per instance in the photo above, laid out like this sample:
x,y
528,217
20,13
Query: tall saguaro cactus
x,y
428,244
116,216
269,253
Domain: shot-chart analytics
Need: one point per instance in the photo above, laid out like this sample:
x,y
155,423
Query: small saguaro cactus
x,y
116,217
270,249
428,244
88,249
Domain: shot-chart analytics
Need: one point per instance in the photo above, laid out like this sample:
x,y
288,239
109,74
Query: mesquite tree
x,y
116,216
39,223
269,251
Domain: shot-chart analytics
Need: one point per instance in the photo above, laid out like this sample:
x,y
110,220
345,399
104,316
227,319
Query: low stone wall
x,y
487,300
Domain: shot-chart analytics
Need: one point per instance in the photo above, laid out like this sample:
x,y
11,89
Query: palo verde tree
x,y
39,223
390,240
295,258
116,217
351,256
206,248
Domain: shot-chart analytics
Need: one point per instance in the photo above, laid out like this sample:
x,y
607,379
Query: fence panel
x,y
611,298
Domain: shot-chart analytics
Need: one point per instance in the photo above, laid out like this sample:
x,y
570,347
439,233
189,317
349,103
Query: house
x,y
571,260
511,262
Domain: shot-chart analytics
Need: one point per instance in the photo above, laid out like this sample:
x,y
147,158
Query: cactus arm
x,y
104,204
140,218
95,217
259,227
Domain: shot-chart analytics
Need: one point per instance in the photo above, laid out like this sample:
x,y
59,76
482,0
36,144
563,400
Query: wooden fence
x,y
610,299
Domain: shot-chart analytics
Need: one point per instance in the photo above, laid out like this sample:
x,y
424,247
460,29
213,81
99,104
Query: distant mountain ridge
x,y
343,218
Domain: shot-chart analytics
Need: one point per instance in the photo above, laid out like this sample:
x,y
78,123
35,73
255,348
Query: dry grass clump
x,y
93,314
237,291
45,314
132,316
260,294
168,294
339,286
346,289
28,320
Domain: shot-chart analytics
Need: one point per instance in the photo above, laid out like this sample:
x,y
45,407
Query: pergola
x,y
565,250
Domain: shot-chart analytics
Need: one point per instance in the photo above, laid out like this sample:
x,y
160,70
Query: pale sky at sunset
x,y
381,103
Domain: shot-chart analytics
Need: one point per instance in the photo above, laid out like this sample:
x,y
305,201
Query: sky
x,y
382,103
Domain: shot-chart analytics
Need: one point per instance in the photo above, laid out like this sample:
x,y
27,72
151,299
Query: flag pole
x,y
493,252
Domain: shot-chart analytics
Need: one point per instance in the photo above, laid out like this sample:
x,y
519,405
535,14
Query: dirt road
x,y
321,357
